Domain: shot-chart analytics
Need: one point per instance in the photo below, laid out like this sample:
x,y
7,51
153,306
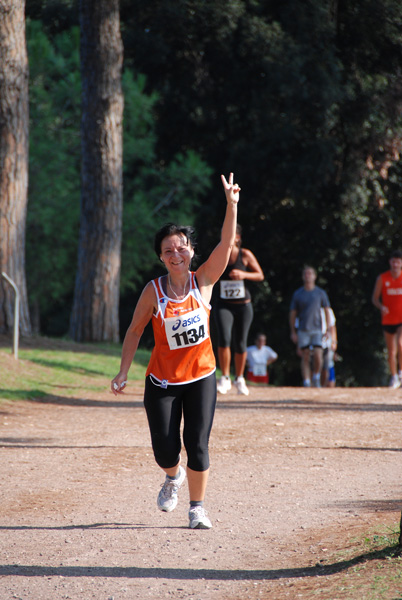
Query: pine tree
x,y
13,161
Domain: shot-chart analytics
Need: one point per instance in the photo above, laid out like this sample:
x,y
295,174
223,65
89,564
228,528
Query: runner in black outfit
x,y
234,313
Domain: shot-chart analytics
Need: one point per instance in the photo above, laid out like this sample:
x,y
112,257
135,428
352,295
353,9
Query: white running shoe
x,y
241,386
198,518
224,385
167,497
316,381
395,382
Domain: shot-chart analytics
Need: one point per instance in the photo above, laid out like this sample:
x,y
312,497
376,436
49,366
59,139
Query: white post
x,y
16,313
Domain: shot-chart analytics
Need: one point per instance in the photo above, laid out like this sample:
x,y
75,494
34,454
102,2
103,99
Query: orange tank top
x,y
183,350
391,296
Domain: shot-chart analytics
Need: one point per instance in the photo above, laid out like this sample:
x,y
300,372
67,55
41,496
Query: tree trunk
x,y
14,118
95,313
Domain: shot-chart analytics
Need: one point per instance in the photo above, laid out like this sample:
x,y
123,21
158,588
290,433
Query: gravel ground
x,y
295,475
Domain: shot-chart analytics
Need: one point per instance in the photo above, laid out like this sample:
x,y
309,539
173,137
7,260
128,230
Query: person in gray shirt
x,y
305,312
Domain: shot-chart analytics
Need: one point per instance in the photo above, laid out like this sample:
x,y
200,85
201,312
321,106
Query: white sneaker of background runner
x,y
241,386
224,385
316,381
395,382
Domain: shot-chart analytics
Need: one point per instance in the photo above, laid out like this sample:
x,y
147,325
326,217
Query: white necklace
x,y
184,289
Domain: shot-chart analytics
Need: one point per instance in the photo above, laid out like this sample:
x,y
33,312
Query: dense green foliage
x,y
154,190
304,106
302,100
54,171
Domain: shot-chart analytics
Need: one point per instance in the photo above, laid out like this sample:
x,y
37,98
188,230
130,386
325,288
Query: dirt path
x,y
295,474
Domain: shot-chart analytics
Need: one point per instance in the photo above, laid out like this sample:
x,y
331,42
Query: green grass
x,y
368,570
53,367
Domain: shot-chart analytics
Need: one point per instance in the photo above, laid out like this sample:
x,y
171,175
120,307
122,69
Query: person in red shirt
x,y
387,297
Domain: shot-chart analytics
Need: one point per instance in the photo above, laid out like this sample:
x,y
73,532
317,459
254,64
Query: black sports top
x,y
230,291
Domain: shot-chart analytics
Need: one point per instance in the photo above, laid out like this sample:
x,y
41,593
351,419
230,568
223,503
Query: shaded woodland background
x,y
302,100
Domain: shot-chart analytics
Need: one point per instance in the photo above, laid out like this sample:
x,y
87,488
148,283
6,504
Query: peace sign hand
x,y
231,189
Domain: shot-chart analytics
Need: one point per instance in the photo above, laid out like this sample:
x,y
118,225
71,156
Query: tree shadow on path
x,y
196,574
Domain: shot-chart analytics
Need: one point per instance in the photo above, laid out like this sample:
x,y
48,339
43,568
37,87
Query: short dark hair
x,y
396,254
172,229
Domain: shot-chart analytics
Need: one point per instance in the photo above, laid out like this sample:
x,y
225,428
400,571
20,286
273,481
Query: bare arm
x,y
254,271
334,337
146,306
376,296
292,320
210,271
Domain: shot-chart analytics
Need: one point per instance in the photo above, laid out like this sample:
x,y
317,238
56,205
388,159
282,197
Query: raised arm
x,y
210,271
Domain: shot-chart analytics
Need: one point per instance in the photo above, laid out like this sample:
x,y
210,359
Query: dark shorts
x,y
392,329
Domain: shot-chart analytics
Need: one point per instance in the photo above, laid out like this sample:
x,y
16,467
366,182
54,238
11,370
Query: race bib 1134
x,y
187,330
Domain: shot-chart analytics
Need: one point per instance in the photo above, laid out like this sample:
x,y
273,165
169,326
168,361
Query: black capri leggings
x,y
194,401
237,317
